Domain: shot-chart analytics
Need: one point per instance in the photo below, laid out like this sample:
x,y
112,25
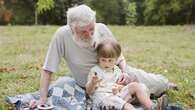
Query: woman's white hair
x,y
80,15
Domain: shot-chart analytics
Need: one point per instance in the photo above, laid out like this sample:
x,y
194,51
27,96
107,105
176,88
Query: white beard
x,y
86,43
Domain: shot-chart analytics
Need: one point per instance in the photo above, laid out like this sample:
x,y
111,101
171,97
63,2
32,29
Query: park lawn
x,y
168,50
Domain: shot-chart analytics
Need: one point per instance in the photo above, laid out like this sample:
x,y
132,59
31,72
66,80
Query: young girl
x,y
102,85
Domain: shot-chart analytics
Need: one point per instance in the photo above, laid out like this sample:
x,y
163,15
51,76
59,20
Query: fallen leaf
x,y
7,69
23,76
35,66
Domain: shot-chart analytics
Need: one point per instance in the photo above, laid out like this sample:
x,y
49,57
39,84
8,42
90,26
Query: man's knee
x,y
63,80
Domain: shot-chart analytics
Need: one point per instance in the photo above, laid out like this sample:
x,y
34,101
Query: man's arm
x,y
122,63
44,84
124,79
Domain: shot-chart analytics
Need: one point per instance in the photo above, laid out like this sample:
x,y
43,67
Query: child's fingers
x,y
114,90
115,85
99,80
33,104
95,77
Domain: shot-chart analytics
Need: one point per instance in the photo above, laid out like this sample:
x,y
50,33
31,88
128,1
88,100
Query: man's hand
x,y
42,101
124,79
33,103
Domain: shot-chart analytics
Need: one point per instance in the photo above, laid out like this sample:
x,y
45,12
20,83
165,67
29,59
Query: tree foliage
x,y
121,12
131,13
109,11
169,11
57,14
22,11
44,5
5,14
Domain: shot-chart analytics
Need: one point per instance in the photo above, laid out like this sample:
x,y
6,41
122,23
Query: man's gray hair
x,y
80,15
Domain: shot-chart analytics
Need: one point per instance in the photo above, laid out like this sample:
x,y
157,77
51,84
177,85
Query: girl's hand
x,y
95,79
115,89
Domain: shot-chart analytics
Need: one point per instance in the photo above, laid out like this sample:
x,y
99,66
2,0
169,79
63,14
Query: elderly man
x,y
76,43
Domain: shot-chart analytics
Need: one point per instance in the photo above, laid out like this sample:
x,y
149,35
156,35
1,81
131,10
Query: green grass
x,y
168,50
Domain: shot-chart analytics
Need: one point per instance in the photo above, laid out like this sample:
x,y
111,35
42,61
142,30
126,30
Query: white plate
x,y
46,107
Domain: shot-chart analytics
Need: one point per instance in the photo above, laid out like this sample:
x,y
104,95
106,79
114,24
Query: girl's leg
x,y
128,106
137,90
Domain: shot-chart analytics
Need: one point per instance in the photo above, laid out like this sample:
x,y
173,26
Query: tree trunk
x,y
36,16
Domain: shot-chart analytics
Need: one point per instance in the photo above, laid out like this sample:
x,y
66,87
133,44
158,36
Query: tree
x,y
169,11
41,6
131,14
57,15
109,11
44,5
5,14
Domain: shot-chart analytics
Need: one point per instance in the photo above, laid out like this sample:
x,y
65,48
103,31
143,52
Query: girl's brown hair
x,y
108,48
